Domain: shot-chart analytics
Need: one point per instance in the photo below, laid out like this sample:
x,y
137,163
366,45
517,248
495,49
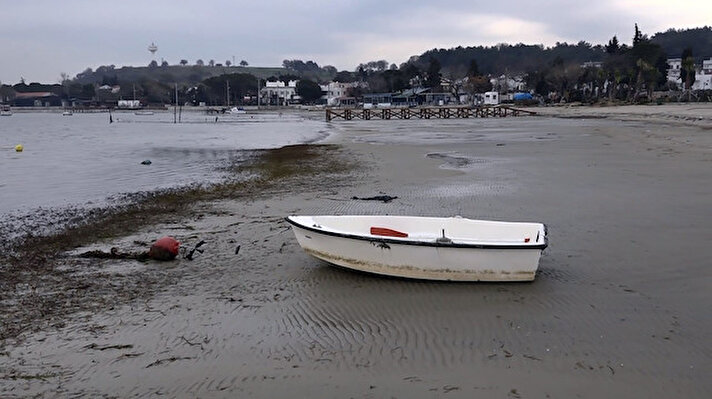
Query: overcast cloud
x,y
40,39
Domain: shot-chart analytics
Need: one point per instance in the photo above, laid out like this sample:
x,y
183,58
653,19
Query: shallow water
x,y
81,159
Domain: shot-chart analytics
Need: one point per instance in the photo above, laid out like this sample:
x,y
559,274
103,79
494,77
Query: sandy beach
x,y
691,114
621,305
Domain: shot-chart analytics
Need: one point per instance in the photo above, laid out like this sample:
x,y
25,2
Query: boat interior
x,y
415,228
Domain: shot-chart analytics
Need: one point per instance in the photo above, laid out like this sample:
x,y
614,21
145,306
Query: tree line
x,y
618,71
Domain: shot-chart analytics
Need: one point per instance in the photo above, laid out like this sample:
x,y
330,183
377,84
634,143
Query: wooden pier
x,y
424,113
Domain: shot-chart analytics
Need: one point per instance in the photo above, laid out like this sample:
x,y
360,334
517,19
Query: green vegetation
x,y
183,75
674,42
308,90
632,72
214,90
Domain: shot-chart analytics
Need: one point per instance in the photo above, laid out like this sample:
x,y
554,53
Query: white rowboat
x,y
429,248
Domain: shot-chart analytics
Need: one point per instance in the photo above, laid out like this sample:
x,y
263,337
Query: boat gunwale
x,y
433,243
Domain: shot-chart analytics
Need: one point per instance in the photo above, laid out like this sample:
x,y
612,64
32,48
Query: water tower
x,y
153,48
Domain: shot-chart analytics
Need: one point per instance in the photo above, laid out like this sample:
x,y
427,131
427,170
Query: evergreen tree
x,y
638,37
308,90
687,72
474,69
613,46
433,74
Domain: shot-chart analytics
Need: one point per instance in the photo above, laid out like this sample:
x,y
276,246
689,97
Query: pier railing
x,y
424,113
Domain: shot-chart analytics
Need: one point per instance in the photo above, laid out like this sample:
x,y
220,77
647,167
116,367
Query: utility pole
x,y
227,84
258,93
175,109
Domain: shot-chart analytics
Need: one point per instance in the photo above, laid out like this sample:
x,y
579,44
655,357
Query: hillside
x,y
519,58
504,58
522,58
675,41
192,74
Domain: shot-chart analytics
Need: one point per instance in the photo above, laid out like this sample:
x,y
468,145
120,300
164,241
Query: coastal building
x,y
128,104
115,89
346,102
436,99
707,66
407,98
703,76
491,98
592,64
410,97
108,94
673,72
335,91
279,93
36,99
506,83
375,100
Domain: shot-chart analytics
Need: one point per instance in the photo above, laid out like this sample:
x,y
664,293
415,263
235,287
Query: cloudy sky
x,y
40,39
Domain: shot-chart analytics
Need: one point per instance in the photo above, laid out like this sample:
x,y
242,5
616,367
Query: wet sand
x,y
620,306
691,114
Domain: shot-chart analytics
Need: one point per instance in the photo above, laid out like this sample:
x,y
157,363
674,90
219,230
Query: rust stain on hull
x,y
418,273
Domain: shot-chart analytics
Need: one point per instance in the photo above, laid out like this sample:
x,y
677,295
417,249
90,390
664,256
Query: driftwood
x,y
103,348
384,198
190,253
142,256
115,254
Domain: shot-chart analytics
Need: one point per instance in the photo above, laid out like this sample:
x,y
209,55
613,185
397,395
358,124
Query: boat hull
x,y
421,261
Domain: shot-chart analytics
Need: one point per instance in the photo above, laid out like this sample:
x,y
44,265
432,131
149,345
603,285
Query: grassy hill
x,y
192,74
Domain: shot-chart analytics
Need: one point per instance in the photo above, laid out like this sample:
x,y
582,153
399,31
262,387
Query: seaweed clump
x,y
39,283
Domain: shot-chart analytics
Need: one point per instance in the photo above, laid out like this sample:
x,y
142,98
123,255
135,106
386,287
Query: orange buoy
x,y
165,248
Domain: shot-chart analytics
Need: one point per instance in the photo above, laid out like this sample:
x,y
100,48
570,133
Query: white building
x,y
506,83
592,64
491,98
707,66
279,93
129,104
703,77
336,91
113,89
673,73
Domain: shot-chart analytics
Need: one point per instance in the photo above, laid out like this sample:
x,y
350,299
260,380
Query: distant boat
x,y
430,248
5,111
237,110
67,113
143,113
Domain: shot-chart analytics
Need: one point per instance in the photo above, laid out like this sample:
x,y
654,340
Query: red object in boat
x,y
383,231
165,248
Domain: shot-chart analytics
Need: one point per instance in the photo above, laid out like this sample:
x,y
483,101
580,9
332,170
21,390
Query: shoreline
x,y
689,114
267,320
33,255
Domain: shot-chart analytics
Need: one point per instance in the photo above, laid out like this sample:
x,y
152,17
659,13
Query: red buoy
x,y
165,248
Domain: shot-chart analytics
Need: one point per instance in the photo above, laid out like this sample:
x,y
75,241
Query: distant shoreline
x,y
693,114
